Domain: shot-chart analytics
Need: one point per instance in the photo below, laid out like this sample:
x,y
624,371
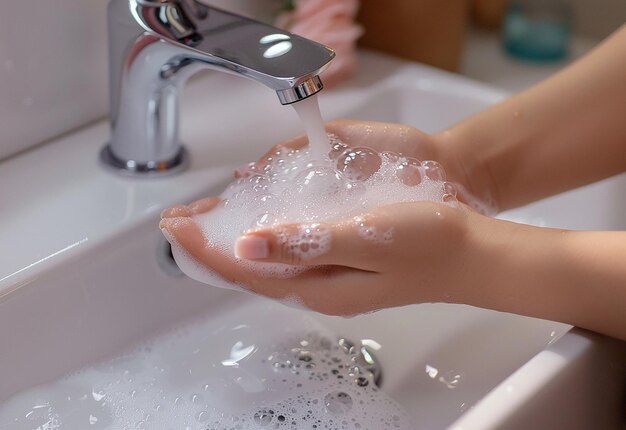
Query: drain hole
x,y
165,259
364,359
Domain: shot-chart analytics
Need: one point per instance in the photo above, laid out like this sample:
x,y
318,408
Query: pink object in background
x,y
330,22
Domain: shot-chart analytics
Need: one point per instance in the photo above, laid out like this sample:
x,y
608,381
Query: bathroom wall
x,y
54,65
53,61
53,69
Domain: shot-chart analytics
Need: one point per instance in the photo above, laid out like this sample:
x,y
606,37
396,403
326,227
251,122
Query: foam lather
x,y
242,369
300,186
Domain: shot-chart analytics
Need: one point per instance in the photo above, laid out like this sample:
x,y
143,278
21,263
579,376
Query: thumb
x,y
313,244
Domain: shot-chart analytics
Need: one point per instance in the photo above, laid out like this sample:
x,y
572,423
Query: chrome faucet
x,y
156,45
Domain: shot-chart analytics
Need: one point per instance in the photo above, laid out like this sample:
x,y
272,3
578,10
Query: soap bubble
x,y
321,180
409,171
359,164
338,402
337,147
434,171
264,417
266,219
450,189
296,376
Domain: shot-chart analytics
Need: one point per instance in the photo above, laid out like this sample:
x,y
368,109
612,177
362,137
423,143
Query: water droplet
x,y
305,356
338,402
431,371
346,346
264,417
98,395
362,381
202,416
451,379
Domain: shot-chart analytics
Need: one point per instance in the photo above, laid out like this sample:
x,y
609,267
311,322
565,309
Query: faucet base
x,y
174,165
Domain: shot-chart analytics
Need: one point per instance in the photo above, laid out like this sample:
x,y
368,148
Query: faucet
x,y
156,45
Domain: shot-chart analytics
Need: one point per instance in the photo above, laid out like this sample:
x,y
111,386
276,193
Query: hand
x,y
396,255
472,182
426,236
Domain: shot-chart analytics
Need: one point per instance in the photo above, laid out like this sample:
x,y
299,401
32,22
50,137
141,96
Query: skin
x,y
566,132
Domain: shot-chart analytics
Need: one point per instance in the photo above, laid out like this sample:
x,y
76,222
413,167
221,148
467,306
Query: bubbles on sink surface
x,y
297,186
451,378
244,370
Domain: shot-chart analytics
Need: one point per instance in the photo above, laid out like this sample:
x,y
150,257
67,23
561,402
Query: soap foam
x,y
297,186
312,240
244,369
323,182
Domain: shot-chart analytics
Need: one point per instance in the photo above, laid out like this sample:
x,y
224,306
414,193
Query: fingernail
x,y
163,225
252,248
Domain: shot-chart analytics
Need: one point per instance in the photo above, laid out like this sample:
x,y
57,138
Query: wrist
x,y
524,269
459,152
487,261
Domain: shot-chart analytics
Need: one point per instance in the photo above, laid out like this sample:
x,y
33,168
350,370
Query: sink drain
x,y
365,361
165,259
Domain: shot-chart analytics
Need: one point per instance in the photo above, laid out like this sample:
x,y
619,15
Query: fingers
x,y
203,205
185,232
338,244
381,136
196,208
176,211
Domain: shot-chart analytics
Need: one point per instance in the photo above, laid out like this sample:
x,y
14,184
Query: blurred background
x,y
511,44
53,55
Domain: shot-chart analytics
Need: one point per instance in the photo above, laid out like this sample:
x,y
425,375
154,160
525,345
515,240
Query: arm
x,y
563,133
574,277
444,254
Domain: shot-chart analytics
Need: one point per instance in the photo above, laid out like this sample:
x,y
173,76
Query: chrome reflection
x,y
278,50
156,45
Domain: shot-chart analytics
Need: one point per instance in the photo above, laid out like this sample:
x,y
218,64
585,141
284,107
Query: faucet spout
x,y
156,45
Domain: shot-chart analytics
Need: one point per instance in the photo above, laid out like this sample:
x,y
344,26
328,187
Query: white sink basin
x,y
83,272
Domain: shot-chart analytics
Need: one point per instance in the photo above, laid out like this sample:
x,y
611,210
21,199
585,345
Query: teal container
x,y
537,30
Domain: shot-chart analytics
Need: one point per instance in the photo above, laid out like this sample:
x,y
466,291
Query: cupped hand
x,y
405,141
396,255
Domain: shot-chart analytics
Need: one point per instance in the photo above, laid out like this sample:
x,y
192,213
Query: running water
x,y
309,112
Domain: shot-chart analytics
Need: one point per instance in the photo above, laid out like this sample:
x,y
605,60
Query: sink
x,y
85,273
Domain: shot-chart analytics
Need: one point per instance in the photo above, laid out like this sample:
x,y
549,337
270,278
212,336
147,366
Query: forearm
x,y
563,133
570,276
